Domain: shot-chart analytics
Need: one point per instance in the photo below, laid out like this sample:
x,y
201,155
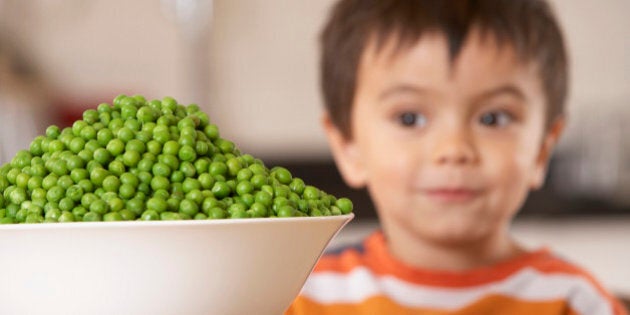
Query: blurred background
x,y
252,66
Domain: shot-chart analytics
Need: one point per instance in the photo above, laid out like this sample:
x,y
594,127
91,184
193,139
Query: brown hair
x,y
528,26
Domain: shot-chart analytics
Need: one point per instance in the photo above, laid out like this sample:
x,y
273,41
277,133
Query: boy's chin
x,y
455,235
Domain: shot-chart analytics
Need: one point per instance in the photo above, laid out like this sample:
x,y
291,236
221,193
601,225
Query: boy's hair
x,y
528,26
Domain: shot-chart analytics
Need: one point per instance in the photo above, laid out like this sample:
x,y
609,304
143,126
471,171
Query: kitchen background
x,y
252,65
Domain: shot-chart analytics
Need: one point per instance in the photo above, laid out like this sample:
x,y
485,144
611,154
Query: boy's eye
x,y
496,119
410,119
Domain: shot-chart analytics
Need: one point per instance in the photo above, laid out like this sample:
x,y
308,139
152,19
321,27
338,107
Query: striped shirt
x,y
368,280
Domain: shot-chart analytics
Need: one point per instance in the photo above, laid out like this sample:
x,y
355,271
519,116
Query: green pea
x,y
76,145
86,185
92,145
173,204
145,165
111,183
66,216
188,207
92,217
56,146
154,147
59,167
202,148
234,166
97,175
344,204
143,136
209,203
297,186
167,215
115,204
282,175
247,199
22,179
244,187
311,192
244,174
224,145
150,215
99,206
90,116
160,182
115,147
201,165
286,211
206,180
146,114
55,194
161,169
88,133
171,147
187,153
157,204
135,205
127,191
190,184
74,162
211,131
258,210
88,199
131,158
161,134
33,218
186,140
103,136
66,204
7,220
170,160
127,215
112,216
34,209
200,216
221,189
268,189
218,168
195,195
102,156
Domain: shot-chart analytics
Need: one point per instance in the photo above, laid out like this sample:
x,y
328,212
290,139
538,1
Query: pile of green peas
x,y
149,160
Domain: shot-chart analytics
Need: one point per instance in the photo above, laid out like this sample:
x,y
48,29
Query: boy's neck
x,y
420,252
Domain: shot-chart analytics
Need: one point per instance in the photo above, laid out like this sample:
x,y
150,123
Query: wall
x,y
262,60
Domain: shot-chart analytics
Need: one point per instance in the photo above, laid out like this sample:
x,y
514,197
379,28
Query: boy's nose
x,y
456,148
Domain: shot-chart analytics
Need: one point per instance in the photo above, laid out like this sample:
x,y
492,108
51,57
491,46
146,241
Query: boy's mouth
x,y
452,195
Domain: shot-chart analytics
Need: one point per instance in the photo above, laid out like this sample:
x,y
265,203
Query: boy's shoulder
x,y
365,271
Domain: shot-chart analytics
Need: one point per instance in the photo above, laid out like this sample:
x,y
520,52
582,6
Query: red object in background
x,y
70,109
68,114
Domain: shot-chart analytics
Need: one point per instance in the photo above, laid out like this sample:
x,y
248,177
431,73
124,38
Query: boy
x,y
447,111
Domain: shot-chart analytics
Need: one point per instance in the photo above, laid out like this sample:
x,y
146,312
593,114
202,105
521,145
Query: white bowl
x,y
235,266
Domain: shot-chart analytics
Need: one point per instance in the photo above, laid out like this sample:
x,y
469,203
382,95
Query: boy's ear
x,y
549,142
346,155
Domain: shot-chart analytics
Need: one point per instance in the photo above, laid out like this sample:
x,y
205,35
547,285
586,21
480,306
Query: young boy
x,y
448,112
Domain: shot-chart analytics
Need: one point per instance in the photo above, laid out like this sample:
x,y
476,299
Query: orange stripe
x,y
380,262
377,258
494,304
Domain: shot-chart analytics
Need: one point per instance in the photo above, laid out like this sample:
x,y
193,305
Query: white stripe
x,y
527,284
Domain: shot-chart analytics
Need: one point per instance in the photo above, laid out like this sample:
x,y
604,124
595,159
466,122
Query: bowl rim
x,y
169,223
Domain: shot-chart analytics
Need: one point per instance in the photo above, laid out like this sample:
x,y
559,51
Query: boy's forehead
x,y
434,45
481,66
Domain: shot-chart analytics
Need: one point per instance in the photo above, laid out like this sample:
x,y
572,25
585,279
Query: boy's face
x,y
448,151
